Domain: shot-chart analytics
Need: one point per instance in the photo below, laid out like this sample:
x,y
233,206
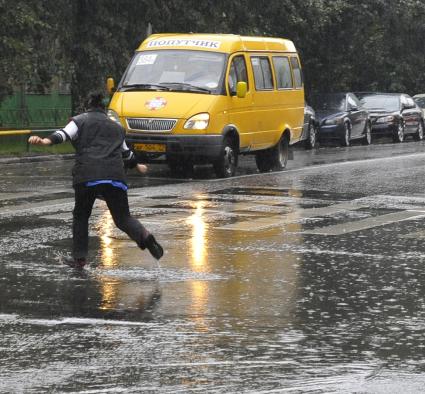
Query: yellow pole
x,y
14,132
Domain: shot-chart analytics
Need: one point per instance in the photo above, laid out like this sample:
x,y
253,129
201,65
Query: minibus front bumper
x,y
201,147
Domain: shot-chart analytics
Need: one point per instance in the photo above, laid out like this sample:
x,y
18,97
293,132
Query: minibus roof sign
x,y
227,43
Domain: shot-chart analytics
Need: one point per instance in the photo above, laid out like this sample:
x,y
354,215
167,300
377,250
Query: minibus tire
x,y
279,154
274,158
225,166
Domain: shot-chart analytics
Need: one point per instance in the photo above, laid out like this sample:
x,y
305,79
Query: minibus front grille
x,y
151,124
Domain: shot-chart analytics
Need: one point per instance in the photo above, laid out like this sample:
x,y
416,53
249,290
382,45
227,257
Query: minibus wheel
x,y
225,165
280,153
274,158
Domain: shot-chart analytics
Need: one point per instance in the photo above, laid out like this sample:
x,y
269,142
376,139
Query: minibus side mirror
x,y
241,89
110,86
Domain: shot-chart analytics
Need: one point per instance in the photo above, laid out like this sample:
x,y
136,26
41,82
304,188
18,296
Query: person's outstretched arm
x,y
69,132
36,140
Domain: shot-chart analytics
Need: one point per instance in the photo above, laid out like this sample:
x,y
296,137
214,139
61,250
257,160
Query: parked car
x,y
394,114
420,101
310,128
341,117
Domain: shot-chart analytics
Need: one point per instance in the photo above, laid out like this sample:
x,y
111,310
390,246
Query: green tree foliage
x,y
344,45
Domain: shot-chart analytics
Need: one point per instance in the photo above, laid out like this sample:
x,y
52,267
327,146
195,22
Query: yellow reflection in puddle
x,y
105,226
199,255
109,294
109,288
199,239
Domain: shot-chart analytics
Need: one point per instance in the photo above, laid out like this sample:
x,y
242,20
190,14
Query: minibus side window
x,y
262,73
237,73
296,69
282,72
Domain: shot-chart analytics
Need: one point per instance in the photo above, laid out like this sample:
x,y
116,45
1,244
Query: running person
x,y
101,156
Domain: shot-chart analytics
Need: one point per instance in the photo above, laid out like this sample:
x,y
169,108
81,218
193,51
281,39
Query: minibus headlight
x,y
197,122
113,116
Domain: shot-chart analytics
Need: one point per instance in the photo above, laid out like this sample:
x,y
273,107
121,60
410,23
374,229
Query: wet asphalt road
x,y
310,280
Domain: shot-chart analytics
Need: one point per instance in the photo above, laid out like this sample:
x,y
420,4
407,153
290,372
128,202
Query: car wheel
x,y
225,166
311,141
399,134
367,139
419,136
345,141
275,158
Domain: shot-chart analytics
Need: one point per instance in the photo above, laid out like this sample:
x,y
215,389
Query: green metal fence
x,y
33,111
34,118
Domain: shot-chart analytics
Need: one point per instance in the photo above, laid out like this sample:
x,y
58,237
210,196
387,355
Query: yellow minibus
x,y
207,98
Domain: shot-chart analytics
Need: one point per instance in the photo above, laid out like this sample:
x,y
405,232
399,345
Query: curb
x,y
35,158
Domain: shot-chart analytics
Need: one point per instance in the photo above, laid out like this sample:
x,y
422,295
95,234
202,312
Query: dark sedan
x,y
394,114
341,117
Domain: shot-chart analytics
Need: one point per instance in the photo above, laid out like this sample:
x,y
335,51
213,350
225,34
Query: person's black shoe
x,y
154,247
75,263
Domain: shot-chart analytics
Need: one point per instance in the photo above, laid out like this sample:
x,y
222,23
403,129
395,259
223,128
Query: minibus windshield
x,y
175,70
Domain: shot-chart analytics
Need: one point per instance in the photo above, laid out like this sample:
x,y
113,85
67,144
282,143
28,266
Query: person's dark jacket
x,y
98,148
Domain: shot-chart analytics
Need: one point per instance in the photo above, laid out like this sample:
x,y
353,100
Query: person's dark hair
x,y
96,100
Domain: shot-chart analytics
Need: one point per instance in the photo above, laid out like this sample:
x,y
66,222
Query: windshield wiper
x,y
188,86
144,86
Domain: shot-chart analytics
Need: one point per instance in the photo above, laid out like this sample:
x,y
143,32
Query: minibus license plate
x,y
150,147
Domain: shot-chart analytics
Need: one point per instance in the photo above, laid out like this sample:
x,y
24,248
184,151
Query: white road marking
x,y
280,220
382,220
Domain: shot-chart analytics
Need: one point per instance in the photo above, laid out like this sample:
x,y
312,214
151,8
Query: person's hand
x,y
142,168
36,140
